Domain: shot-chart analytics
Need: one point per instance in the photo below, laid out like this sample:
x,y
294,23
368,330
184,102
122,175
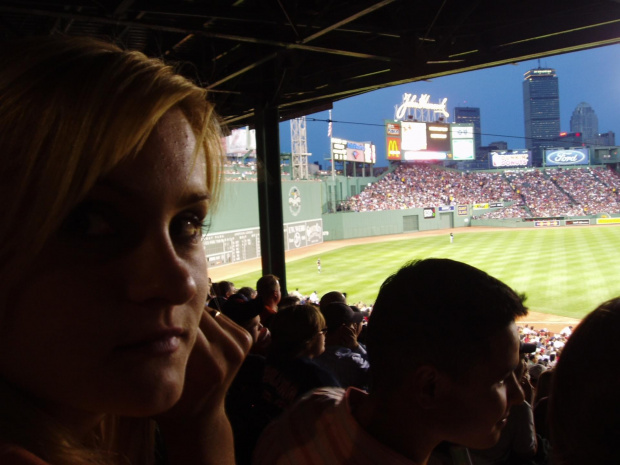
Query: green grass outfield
x,y
564,271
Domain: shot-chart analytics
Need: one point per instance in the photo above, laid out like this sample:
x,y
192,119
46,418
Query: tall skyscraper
x,y
470,115
541,108
585,121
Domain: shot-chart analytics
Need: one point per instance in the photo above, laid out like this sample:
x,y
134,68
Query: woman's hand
x,y
196,430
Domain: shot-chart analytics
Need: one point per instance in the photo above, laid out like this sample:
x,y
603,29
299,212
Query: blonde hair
x,y
71,110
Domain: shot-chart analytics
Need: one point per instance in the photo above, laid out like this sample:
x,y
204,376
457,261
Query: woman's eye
x,y
187,228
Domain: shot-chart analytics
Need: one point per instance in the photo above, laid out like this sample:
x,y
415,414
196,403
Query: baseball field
x,y
565,272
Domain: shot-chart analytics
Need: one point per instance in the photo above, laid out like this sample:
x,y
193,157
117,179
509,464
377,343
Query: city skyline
x,y
588,76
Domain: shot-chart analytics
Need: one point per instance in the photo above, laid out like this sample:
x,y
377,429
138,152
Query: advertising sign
x,y
462,210
370,153
345,150
446,208
393,148
512,159
567,157
462,138
429,213
607,220
392,129
303,234
481,206
577,222
241,141
411,105
546,223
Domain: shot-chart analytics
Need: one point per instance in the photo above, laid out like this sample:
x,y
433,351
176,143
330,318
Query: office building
x,y
541,108
470,115
585,121
606,139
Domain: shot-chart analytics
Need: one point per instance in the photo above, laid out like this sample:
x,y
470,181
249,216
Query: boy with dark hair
x,y
268,297
443,358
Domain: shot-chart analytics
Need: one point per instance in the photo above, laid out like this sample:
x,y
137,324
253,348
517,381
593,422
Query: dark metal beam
x,y
348,20
271,218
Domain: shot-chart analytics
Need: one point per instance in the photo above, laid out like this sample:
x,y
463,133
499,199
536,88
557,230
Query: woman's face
x,y
105,318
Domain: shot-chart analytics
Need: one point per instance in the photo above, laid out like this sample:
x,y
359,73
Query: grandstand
x,y
528,193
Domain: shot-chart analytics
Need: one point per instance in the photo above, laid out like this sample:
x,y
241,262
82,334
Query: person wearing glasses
x,y
442,377
297,338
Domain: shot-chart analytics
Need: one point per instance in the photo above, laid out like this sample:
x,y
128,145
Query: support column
x,y
270,192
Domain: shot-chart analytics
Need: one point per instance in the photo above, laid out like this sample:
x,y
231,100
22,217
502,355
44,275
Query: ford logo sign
x,y
566,157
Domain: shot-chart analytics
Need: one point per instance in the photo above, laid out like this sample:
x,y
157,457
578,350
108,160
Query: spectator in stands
x,y
541,404
224,289
331,297
298,336
248,292
431,380
314,298
584,405
344,357
109,162
518,443
268,297
288,301
297,294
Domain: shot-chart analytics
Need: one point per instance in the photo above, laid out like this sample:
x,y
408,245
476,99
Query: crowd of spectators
x,y
524,193
419,186
541,195
587,190
320,344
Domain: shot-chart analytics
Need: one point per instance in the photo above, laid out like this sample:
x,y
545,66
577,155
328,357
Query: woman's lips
x,y
158,343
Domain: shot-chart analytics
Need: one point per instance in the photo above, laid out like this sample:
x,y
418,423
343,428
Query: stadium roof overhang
x,y
270,60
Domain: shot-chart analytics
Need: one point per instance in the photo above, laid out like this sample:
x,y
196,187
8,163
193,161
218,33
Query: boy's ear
x,y
427,385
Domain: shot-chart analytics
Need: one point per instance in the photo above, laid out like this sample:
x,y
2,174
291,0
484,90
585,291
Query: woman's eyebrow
x,y
187,197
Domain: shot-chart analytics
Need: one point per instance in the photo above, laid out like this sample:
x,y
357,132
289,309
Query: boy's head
x,y
442,339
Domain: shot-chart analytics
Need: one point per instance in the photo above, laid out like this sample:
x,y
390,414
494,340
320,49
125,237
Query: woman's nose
x,y
157,272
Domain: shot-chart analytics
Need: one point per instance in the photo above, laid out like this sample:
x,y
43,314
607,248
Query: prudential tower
x,y
541,109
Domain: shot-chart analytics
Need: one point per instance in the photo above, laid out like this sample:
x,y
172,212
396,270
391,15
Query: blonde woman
x,y
110,163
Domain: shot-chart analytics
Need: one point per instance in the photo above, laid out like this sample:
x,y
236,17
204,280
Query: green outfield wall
x,y
349,225
234,232
311,216
237,207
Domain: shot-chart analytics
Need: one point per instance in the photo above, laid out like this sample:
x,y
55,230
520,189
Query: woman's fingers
x,y
220,348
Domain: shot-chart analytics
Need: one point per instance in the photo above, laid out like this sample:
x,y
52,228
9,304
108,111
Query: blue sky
x,y
591,76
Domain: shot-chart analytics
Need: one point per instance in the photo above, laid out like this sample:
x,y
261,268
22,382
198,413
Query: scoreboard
x,y
414,140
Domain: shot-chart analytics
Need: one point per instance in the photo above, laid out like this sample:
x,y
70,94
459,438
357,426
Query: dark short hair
x,y
437,311
331,297
224,287
248,292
